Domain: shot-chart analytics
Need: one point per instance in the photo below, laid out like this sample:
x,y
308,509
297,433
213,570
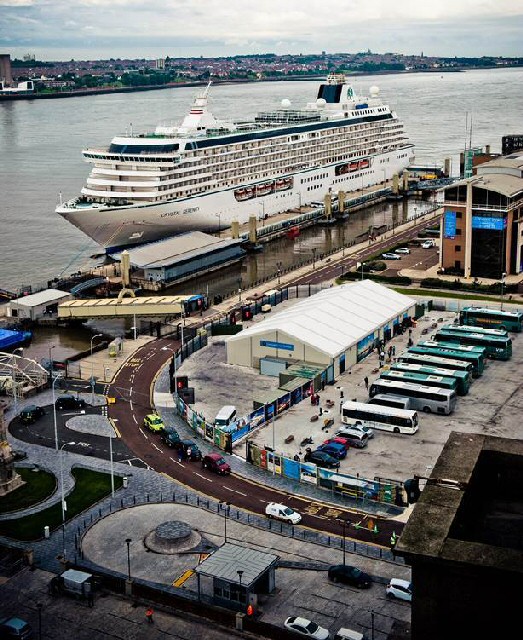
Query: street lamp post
x,y
98,335
111,462
219,224
128,543
503,276
64,504
51,363
343,523
239,289
279,266
226,507
240,574
54,412
362,270
314,257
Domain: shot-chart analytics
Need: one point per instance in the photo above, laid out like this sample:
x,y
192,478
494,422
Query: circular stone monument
x,y
172,537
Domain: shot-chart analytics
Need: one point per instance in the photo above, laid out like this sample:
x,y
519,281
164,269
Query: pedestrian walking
x,y
366,381
393,350
149,615
180,455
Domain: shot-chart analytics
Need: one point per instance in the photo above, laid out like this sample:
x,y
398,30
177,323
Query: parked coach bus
x,y
423,398
492,318
443,382
380,417
435,361
496,347
460,328
474,355
462,378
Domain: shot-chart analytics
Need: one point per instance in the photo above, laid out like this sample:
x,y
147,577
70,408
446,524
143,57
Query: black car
x,y
189,449
31,413
13,627
349,575
69,402
170,437
321,459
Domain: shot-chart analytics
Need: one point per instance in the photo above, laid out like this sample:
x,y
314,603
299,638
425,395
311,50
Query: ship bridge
x,y
129,307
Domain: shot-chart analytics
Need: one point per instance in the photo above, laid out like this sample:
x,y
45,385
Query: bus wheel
x,y
502,327
396,430
427,409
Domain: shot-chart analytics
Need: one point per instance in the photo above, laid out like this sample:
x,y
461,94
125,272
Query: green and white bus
x,y
423,398
435,361
492,318
380,417
443,382
474,355
496,347
462,378
460,328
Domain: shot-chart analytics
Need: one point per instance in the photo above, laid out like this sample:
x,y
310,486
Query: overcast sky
x,y
98,29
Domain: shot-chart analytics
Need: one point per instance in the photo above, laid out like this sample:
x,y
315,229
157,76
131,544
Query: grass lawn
x,y
442,293
90,487
39,485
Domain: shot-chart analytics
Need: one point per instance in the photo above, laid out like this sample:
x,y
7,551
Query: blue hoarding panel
x,y
291,469
450,224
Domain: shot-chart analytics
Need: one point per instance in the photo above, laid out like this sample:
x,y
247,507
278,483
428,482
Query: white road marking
x,y
228,488
240,492
177,462
131,405
134,418
143,433
202,477
156,447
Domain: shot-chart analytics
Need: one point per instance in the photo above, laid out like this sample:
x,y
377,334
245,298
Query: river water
x,y
41,143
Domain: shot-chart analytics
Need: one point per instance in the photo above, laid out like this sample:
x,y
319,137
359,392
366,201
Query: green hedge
x,y
458,285
356,275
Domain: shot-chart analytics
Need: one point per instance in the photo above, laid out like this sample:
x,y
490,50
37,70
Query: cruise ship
x,y
206,173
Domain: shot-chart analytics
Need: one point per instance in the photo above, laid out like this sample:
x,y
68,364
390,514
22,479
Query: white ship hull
x,y
113,227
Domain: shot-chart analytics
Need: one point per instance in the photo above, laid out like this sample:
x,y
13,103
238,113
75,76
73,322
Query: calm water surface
x,y
41,143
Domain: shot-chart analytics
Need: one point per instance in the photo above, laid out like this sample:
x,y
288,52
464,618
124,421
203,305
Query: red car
x,y
216,463
339,440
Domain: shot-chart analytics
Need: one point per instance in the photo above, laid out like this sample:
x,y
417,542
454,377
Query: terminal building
x,y
334,329
482,230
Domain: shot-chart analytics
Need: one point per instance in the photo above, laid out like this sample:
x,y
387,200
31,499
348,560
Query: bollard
x,y
125,482
46,532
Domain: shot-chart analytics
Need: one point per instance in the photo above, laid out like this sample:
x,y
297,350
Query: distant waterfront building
x,y
6,77
483,221
160,63
21,88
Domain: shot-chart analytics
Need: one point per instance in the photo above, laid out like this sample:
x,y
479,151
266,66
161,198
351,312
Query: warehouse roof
x,y
336,318
185,246
42,297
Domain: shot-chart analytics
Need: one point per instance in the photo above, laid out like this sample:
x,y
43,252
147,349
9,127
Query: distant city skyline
x,y
100,29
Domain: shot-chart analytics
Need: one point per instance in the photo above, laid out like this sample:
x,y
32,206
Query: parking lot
x,y
491,407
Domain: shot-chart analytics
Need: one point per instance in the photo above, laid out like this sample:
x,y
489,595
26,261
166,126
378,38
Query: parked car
x,y
355,439
357,428
69,402
428,244
190,450
321,459
13,627
170,436
282,512
347,574
338,440
390,256
31,413
334,449
402,250
215,462
400,589
306,628
154,423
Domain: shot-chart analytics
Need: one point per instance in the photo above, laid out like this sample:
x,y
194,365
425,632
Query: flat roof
x,y
226,561
185,246
506,184
42,297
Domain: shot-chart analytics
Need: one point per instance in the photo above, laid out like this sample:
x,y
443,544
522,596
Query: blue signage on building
x,y
277,345
492,224
450,225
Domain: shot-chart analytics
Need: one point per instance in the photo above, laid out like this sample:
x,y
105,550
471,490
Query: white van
x,y
225,416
